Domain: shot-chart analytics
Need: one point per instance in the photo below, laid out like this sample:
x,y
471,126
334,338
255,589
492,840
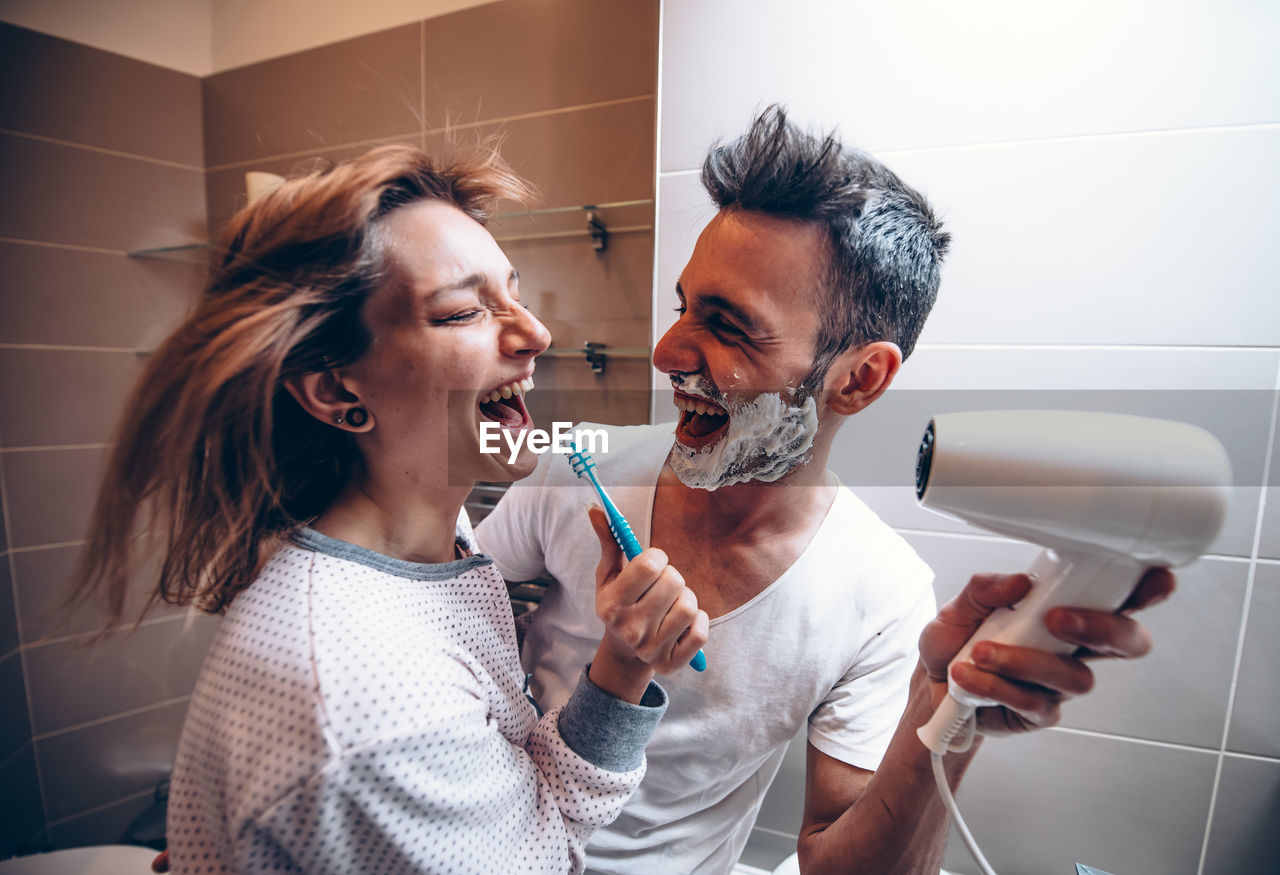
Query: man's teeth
x,y
699,407
507,391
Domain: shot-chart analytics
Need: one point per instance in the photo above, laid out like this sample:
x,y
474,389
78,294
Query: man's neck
x,y
733,543
751,511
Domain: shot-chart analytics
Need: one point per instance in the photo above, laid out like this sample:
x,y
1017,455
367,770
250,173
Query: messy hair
x,y
885,244
214,462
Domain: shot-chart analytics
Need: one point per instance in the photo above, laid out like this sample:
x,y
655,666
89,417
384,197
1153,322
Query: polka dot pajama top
x,y
362,714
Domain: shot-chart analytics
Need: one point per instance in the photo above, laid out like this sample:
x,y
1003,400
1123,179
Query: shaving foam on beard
x,y
765,440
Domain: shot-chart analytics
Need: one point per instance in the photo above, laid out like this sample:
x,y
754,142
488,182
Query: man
x,y
802,298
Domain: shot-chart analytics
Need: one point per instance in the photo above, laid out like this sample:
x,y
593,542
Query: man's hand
x,y
1032,684
652,621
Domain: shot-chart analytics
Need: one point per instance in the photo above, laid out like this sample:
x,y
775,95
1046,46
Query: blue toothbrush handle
x,y
631,547
622,533
621,529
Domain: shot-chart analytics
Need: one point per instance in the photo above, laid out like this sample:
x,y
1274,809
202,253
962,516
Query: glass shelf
x,y
617,217
195,253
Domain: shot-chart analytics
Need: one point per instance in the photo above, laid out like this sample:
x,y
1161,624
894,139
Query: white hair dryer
x,y
1107,495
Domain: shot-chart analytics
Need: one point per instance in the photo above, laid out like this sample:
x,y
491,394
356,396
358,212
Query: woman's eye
x,y
461,316
682,309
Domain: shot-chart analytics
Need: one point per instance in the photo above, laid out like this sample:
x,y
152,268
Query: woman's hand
x,y
652,621
1032,684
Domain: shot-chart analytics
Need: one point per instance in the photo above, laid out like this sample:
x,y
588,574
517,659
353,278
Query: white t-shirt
x,y
358,713
833,641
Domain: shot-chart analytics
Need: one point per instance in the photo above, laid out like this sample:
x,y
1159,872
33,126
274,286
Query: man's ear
x,y
326,397
860,375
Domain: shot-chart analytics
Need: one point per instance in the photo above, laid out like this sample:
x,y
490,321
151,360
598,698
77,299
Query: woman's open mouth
x,y
702,422
505,404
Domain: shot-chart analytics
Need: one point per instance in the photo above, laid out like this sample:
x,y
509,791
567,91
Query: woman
x,y
299,451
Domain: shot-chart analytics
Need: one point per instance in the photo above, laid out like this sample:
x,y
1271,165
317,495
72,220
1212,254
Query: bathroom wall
x,y
99,155
569,87
102,156
1108,172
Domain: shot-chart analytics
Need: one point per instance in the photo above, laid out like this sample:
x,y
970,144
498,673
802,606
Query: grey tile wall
x,y
1243,837
1094,803
1255,719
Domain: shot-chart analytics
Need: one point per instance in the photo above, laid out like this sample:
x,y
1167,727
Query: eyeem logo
x,y
560,439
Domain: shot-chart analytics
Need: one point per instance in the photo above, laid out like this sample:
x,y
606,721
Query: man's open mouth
x,y
505,404
701,422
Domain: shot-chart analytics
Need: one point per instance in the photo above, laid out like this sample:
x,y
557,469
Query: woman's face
x,y
448,331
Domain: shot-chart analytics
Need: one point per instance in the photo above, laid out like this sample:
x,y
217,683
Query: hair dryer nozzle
x,y
1103,483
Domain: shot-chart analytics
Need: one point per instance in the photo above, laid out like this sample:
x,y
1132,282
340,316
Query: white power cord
x,y
944,790
951,729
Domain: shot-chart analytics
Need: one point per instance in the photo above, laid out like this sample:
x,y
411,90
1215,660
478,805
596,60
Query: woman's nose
x,y
524,334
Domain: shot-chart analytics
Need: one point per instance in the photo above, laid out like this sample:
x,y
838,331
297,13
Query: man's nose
x,y
675,352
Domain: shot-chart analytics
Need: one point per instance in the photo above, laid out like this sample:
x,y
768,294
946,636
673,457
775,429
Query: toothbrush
x,y
584,466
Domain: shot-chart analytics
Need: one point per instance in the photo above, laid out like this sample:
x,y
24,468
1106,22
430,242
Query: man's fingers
x,y
982,595
957,620
1154,587
1099,632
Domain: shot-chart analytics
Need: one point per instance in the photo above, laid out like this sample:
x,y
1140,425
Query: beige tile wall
x,y
101,155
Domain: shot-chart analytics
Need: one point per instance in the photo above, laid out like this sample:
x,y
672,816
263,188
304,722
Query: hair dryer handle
x,y
1076,580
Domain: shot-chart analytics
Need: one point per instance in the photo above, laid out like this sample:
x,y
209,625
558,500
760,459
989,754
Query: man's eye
x,y
720,325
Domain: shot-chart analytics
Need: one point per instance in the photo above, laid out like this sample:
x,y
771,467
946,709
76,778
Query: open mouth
x,y
702,422
505,404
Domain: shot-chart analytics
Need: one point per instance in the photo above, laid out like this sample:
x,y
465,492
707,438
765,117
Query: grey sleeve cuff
x,y
606,731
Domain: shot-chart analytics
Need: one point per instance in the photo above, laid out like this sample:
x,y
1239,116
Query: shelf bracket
x,y
595,357
599,233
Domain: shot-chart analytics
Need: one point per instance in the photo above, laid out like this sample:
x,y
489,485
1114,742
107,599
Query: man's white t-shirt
x,y
833,641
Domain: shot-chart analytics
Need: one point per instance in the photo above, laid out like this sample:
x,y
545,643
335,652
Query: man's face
x,y
750,309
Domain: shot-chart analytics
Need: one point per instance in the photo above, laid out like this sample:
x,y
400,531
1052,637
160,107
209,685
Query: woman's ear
x,y
861,375
324,396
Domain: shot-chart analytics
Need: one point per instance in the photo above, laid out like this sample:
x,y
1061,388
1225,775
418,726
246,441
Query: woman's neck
x,y
413,525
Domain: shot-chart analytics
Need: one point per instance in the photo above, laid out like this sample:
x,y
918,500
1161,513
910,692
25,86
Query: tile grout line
x,y
98,808
425,131
654,294
115,153
74,247
98,721
8,451
22,652
121,627
1268,459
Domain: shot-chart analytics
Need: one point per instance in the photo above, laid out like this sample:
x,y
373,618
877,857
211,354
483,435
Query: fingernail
x,y
981,653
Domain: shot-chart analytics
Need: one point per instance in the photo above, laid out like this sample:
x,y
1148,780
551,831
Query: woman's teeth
x,y
510,389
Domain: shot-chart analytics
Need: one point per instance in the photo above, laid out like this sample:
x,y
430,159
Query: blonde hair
x,y
214,462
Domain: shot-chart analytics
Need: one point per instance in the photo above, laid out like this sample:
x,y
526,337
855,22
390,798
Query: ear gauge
x,y
356,417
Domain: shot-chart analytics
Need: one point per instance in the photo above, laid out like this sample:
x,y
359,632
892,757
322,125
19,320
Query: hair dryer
x,y
1107,495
